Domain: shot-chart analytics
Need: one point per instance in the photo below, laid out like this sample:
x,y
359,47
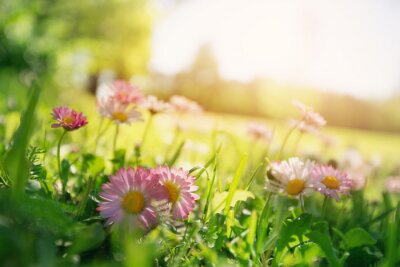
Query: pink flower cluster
x,y
134,195
295,177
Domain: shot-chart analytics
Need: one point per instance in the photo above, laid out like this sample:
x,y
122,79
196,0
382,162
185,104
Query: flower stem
x,y
296,146
115,138
323,210
301,200
58,153
146,130
287,137
98,135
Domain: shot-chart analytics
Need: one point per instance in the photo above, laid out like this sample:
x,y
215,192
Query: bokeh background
x,y
247,58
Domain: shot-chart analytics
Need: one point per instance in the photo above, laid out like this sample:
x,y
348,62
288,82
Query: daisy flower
x,y
358,180
68,118
259,131
330,181
118,112
180,187
131,195
121,92
154,105
292,177
310,117
182,104
392,184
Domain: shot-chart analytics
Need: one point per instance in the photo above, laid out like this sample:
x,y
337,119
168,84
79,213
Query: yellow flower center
x,y
133,202
173,192
68,119
119,116
331,182
295,186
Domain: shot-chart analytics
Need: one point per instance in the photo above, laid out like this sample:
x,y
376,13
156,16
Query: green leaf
x,y
220,198
94,164
176,155
16,163
234,184
291,228
358,237
252,229
262,226
320,236
86,238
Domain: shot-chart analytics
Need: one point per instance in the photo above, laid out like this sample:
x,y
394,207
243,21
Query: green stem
x,y
146,130
296,146
115,138
98,134
301,200
58,153
287,137
82,205
324,205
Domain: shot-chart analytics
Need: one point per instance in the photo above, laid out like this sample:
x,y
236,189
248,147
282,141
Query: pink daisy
x,y
310,117
121,91
292,177
182,104
259,131
330,181
68,118
131,195
392,184
154,105
118,112
180,187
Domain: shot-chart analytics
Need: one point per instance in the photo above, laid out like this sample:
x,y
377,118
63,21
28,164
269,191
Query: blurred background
x,y
231,56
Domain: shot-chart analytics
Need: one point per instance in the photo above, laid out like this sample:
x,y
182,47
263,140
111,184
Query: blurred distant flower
x,y
180,188
68,118
330,181
293,177
121,92
328,140
392,184
303,127
358,180
352,159
309,116
259,131
182,104
155,106
118,112
131,195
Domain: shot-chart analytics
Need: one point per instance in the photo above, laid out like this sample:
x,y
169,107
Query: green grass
x,y
235,222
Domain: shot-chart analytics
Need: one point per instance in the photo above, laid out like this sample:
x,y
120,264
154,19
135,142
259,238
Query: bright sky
x,y
346,46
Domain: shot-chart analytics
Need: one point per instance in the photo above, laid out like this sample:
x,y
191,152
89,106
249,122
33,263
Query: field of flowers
x,y
125,179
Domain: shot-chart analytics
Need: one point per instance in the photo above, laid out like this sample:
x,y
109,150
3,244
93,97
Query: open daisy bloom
x,y
259,131
131,195
121,92
330,181
68,118
292,177
154,105
182,104
118,112
180,187
392,184
309,116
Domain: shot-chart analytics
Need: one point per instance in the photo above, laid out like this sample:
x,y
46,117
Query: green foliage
x,y
15,161
235,222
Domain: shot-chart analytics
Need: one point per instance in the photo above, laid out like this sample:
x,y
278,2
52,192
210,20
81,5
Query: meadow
x,y
226,190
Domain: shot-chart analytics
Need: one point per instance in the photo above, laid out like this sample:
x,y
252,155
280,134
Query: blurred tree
x,y
41,38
